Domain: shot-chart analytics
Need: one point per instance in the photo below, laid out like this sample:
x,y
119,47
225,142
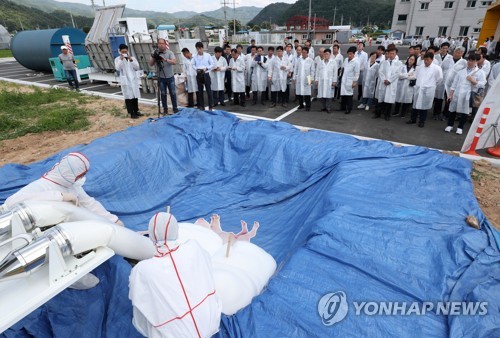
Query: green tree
x,y
256,28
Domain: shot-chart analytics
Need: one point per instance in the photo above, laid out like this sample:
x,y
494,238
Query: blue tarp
x,y
376,222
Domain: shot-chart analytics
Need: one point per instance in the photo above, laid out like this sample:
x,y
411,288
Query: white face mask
x,y
81,181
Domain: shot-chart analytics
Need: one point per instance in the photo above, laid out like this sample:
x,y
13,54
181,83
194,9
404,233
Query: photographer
x,y
164,59
128,67
203,63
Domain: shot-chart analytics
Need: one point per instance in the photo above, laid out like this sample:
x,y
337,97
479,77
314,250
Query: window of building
x,y
442,30
486,3
448,4
471,4
405,0
424,6
304,37
402,17
477,30
464,30
419,30
328,36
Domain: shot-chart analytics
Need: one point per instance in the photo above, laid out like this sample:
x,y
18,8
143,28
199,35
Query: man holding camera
x,y
127,66
164,59
203,63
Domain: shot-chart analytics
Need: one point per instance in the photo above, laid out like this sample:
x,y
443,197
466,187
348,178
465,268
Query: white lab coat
x,y
452,72
238,74
311,54
445,63
404,93
217,78
390,72
495,71
129,81
190,72
248,69
339,59
326,75
157,287
370,80
279,77
486,68
462,89
363,59
61,179
350,75
427,80
304,69
386,43
426,44
259,74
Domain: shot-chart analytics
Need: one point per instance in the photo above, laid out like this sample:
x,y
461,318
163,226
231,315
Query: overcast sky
x,y
177,6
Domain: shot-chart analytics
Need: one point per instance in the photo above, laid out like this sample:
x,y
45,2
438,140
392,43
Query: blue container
x,y
33,49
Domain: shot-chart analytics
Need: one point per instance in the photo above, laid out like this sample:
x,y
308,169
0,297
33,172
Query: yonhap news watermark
x,y
334,307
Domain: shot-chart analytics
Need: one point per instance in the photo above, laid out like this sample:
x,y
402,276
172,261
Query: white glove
x,y
69,197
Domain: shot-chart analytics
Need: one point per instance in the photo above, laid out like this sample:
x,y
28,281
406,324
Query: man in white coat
x,y
173,293
339,59
303,77
445,61
249,70
311,54
190,73
289,84
237,68
466,82
363,61
259,75
278,76
429,75
326,80
128,66
388,77
458,63
350,77
217,75
64,183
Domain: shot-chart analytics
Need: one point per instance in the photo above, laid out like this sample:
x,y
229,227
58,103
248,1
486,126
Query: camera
x,y
156,55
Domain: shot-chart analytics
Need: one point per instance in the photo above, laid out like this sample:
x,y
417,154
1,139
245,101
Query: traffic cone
x,y
479,130
494,151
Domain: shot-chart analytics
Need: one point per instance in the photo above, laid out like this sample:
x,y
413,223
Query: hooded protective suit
x,y
64,179
128,77
173,293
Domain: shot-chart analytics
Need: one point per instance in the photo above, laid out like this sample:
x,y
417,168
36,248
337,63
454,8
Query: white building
x,y
439,17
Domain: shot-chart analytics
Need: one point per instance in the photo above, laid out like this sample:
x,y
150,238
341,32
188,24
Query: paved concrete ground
x,y
359,122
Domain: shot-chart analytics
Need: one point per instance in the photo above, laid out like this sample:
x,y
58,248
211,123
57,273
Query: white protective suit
x,y
445,63
427,80
279,77
304,68
259,74
217,78
350,75
370,80
452,72
462,89
248,68
388,71
62,179
326,75
237,74
495,71
190,72
362,57
404,93
129,81
173,293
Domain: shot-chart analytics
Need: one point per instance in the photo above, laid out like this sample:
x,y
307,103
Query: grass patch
x,y
41,110
5,53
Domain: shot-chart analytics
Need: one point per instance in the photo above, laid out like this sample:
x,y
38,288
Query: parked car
x,y
360,39
396,41
408,39
380,39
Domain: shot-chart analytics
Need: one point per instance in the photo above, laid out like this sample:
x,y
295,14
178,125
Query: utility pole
x,y
234,17
334,14
72,21
309,22
342,20
224,3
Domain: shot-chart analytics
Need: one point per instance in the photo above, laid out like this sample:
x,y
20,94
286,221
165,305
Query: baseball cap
x,y
64,47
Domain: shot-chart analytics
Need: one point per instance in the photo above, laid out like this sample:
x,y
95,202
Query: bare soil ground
x,y
111,116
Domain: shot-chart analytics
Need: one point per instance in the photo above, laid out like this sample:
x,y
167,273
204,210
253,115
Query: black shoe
x,y
165,112
308,109
387,117
235,104
347,112
421,124
139,113
176,110
284,105
223,104
262,103
134,116
215,105
324,109
376,116
301,107
328,111
243,104
411,122
402,116
272,105
254,103
190,106
394,114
